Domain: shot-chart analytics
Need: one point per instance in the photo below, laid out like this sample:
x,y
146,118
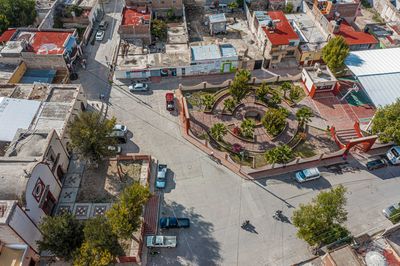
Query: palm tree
x,y
274,121
247,128
279,154
208,101
304,115
229,104
240,85
286,86
262,91
218,131
294,93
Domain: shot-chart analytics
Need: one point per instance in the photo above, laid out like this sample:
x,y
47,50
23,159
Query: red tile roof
x,y
283,32
354,37
45,42
133,17
6,36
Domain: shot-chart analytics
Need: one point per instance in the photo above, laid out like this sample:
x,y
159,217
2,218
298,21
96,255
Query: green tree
x,y
334,53
304,115
386,123
208,100
159,29
229,104
233,5
262,91
88,255
89,134
16,13
171,14
218,131
285,87
99,234
240,3
124,215
279,154
274,121
395,216
320,222
295,93
62,235
275,100
288,8
240,87
247,128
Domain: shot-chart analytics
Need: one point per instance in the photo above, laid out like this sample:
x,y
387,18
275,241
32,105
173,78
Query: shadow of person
x,y
250,228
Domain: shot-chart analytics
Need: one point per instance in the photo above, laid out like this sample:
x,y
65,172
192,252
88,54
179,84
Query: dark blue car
x,y
172,222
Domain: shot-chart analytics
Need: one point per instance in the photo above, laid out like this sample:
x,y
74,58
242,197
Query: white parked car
x,y
389,210
161,241
307,175
100,35
115,149
138,87
119,127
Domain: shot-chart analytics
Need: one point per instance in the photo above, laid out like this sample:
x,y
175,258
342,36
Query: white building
x,y
33,161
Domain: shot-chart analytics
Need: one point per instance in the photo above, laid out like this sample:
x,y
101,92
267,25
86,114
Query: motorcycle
x,y
245,223
278,215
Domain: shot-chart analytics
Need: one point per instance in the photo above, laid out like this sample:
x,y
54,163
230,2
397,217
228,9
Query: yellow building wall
x,y
18,73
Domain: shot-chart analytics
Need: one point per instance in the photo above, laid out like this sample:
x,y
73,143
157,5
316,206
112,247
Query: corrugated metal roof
x,y
227,50
381,89
217,18
373,62
15,114
205,52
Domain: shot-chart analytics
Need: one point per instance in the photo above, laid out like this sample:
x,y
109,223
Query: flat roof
x,y
15,114
311,36
13,177
324,74
345,257
217,18
134,16
6,71
227,50
45,42
374,62
177,33
354,37
205,52
282,32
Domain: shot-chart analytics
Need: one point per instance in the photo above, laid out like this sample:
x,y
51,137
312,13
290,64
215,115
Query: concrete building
x,y
312,38
178,60
159,7
387,34
135,24
40,49
318,79
275,36
33,161
217,23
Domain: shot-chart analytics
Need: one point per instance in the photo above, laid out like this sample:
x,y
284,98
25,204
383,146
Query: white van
x,y
393,155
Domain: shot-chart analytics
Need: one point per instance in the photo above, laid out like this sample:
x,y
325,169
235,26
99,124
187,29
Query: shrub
x,y
218,131
247,127
279,154
274,121
208,101
229,104
295,93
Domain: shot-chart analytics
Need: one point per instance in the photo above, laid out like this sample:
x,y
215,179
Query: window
x,y
275,57
49,203
38,190
290,53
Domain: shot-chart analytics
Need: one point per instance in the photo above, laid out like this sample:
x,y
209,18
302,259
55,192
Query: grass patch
x,y
248,161
259,160
304,150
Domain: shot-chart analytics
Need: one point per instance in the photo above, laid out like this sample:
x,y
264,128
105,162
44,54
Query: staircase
x,y
345,135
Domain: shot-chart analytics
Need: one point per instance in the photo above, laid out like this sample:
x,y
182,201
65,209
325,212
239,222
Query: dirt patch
x,y
318,142
104,183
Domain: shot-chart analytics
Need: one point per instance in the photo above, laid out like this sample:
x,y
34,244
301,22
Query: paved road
x,y
217,200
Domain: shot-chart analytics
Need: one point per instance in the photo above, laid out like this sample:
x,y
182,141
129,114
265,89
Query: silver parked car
x,y
307,175
389,210
138,87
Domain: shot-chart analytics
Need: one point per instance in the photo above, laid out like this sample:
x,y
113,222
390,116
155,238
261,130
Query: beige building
x,y
160,7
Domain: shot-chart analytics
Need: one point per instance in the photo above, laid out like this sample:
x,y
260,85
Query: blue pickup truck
x,y
172,222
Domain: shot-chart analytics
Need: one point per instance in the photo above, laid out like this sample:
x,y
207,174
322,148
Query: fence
x,y
227,83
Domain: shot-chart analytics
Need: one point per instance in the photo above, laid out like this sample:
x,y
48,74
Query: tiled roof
x,y
134,17
354,37
283,32
6,36
49,42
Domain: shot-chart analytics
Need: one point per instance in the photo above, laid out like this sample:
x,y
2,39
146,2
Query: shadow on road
x,y
196,245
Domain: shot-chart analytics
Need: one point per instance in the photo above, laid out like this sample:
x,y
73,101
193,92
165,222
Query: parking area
x,y
217,201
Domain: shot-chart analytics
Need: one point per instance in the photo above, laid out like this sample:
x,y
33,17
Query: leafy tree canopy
x,y
279,154
247,127
124,215
159,28
89,135
208,100
16,13
88,255
218,131
334,53
274,121
304,115
229,104
240,87
320,222
62,235
386,123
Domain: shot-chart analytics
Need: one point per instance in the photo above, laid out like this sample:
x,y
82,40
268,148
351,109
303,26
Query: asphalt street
x,y
216,200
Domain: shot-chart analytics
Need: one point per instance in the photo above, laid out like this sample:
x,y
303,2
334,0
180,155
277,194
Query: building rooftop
x,y
227,50
217,18
135,17
177,33
311,36
344,257
320,74
282,32
6,36
45,42
6,71
354,37
387,34
14,177
205,52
